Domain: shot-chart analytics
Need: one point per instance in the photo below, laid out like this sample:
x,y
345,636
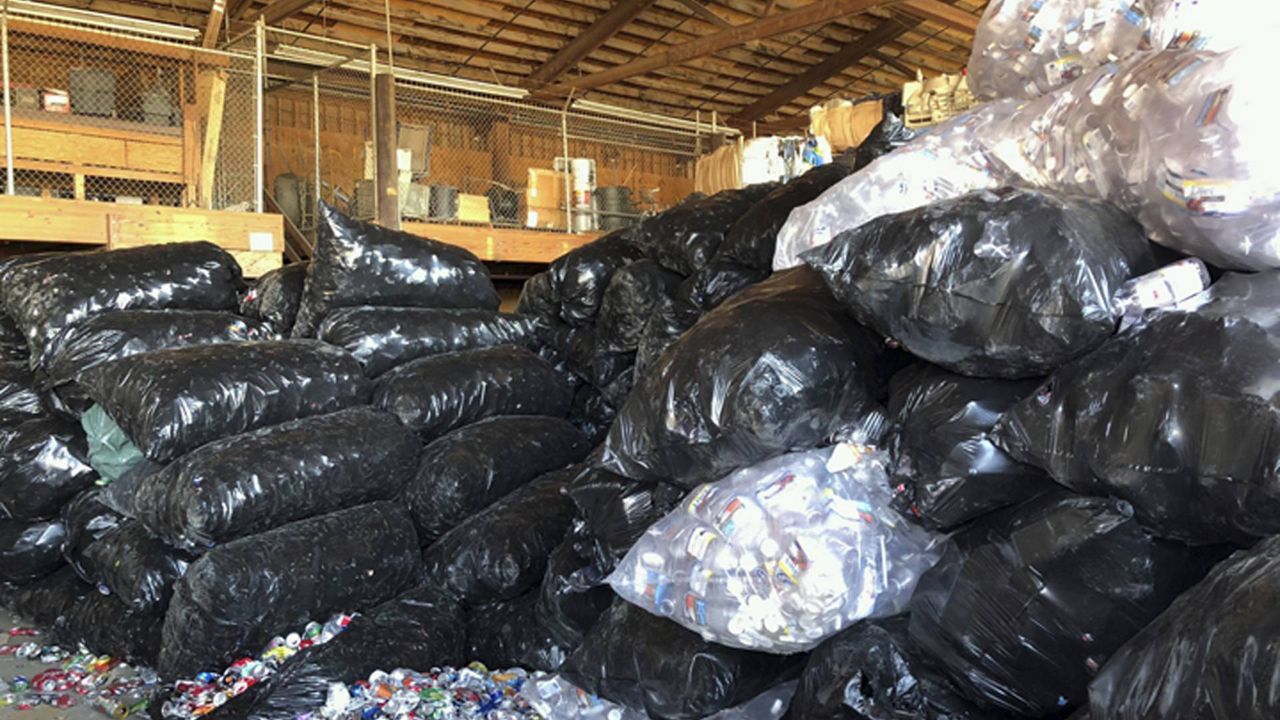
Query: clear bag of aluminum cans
x,y
778,556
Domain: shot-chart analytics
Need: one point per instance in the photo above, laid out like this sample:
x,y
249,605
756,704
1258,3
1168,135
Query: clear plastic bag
x,y
780,555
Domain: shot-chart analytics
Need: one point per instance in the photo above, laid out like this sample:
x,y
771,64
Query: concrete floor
x,y
11,666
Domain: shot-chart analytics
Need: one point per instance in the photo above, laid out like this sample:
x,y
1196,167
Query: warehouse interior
x,y
680,359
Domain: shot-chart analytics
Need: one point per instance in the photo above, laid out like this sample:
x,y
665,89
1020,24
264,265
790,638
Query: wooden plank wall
x,y
464,153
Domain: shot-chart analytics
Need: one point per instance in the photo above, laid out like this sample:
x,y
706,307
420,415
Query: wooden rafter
x,y
814,76
942,13
278,10
593,37
701,11
813,14
894,63
214,25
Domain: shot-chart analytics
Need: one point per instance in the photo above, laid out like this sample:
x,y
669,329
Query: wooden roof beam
x,y
894,63
703,12
943,14
214,25
278,10
815,13
835,63
586,43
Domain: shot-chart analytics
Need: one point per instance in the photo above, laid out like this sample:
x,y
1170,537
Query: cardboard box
x,y
544,200
473,208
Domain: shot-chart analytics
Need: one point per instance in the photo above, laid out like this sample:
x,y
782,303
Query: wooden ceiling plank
x,y
816,13
278,10
214,26
942,13
816,75
894,63
700,10
585,43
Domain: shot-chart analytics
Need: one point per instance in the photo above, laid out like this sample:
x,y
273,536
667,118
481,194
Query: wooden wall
x,y
467,152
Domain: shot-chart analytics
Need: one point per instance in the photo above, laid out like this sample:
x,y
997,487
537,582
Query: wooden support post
x,y
385,151
78,180
214,83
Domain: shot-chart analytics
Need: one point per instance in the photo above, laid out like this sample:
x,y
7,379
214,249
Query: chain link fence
x,y
110,115
468,154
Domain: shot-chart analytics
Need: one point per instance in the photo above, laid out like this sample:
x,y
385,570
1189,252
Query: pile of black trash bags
x,y
190,466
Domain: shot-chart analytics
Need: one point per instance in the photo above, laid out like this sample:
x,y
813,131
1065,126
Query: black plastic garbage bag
x,y
111,336
86,519
172,401
947,471
1008,283
540,297
359,263
135,566
239,595
889,135
576,350
1029,602
44,601
107,626
417,630
718,281
751,240
592,413
275,297
631,297
1208,655
501,552
616,510
246,484
19,398
473,467
43,464
13,344
573,594
686,237
1176,416
46,298
584,274
434,395
118,494
780,367
650,664
30,549
872,671
382,338
670,319
510,634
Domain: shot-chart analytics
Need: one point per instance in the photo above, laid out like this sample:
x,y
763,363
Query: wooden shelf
x,y
502,244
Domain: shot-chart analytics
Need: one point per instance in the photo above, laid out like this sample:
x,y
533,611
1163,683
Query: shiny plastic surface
x,y
501,552
382,338
245,484
946,469
555,697
1208,655
107,626
134,566
1024,48
275,297
170,402
1177,138
414,630
43,464
750,242
573,594
670,320
617,511
583,275
47,297
86,519
888,135
651,665
686,237
13,344
359,263
19,399
1009,283
631,297
434,395
540,296
778,556
239,595
777,368
718,281
510,634
473,467
872,671
115,335
46,600
1177,416
30,548
1028,603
